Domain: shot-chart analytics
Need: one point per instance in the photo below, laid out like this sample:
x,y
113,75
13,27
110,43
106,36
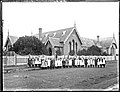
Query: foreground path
x,y
63,79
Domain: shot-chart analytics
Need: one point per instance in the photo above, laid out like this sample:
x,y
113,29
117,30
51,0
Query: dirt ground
x,y
65,78
101,0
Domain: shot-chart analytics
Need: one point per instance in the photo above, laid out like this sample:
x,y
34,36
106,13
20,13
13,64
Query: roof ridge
x,y
13,36
87,38
54,38
58,30
99,38
106,37
53,31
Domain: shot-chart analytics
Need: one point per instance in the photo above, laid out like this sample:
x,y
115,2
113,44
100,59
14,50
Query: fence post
x,y
27,59
15,58
114,57
6,59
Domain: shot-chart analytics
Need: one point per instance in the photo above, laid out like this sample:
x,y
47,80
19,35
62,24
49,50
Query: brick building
x,y
69,39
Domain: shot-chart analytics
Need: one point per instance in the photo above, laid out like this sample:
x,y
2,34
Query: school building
x,y
68,39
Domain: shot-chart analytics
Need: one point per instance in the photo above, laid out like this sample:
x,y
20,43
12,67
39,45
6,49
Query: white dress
x,y
103,61
70,62
88,62
48,62
93,62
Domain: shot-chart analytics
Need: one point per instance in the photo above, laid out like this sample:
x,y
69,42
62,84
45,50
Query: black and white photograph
x,y
60,46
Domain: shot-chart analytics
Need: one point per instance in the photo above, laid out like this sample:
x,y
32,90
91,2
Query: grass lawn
x,y
70,78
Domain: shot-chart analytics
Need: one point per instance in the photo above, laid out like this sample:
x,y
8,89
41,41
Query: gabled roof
x,y
61,34
55,42
106,42
12,39
86,42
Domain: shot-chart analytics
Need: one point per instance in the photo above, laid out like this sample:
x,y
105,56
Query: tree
x,y
94,50
29,45
82,52
58,52
104,54
72,52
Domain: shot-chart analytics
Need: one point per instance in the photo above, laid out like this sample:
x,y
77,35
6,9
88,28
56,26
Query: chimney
x,y
98,38
40,33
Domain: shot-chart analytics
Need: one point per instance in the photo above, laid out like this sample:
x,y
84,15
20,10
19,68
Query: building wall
x,y
58,48
104,50
110,51
8,44
66,45
48,45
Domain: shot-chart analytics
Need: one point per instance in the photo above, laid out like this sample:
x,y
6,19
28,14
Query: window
x,y
76,47
46,35
73,44
70,45
63,33
54,34
112,50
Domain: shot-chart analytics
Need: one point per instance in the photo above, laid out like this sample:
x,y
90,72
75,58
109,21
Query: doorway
x,y
50,51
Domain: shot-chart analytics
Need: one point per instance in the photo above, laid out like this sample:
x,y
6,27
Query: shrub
x,y
29,45
72,53
58,52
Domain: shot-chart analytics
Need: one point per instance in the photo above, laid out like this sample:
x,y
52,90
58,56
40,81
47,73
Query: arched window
x,y
112,50
70,45
73,44
76,47
50,51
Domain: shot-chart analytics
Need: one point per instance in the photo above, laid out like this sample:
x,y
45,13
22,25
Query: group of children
x,y
65,62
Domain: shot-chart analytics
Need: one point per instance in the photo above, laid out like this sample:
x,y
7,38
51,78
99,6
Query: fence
x,y
117,57
21,60
14,60
108,58
8,60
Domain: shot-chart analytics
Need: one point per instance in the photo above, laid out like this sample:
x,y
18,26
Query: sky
x,y
91,18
